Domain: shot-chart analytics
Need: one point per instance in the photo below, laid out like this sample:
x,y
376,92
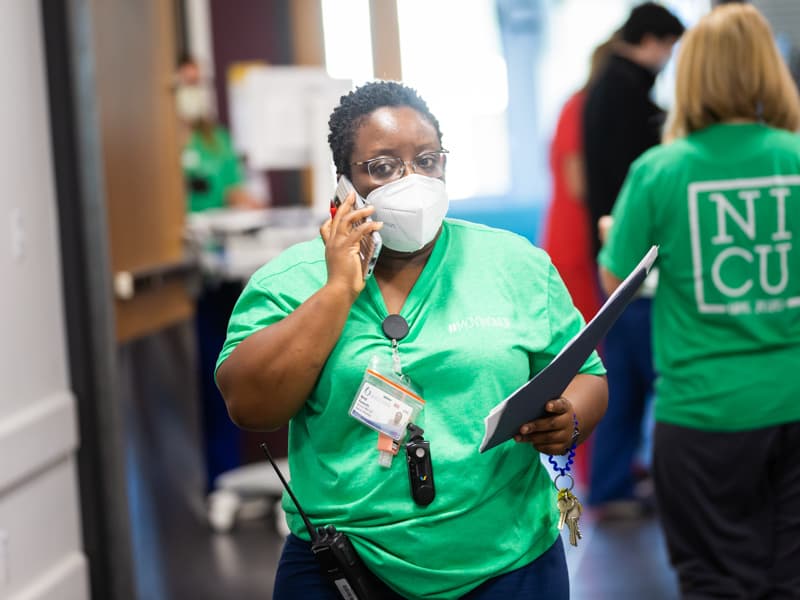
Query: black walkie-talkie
x,y
335,553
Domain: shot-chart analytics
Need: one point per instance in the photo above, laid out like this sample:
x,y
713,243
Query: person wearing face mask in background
x,y
213,177
460,313
212,171
620,121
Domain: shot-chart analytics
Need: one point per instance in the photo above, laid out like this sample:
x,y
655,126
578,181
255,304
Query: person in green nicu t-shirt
x,y
722,201
475,313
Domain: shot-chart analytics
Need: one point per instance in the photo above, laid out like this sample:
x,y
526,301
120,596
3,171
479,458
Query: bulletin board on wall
x,y
279,120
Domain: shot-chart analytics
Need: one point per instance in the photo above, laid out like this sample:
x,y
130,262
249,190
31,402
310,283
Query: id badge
x,y
386,404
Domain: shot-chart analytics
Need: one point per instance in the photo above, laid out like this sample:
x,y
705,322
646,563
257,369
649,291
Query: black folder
x,y
528,402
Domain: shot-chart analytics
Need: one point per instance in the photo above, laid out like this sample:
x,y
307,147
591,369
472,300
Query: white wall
x,y
200,44
40,542
784,17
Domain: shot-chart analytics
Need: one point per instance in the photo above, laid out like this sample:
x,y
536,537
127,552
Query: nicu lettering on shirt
x,y
742,247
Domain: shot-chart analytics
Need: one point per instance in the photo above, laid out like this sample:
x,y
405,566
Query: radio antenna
x,y
311,531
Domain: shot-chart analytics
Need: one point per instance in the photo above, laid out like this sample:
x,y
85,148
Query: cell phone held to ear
x,y
370,244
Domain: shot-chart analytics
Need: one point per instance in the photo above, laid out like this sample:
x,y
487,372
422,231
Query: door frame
x,y
88,301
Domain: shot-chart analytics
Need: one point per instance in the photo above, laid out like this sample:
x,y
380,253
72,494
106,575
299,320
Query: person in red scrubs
x,y
566,235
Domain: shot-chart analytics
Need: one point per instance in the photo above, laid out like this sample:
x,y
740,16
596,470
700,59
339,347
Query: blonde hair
x,y
729,68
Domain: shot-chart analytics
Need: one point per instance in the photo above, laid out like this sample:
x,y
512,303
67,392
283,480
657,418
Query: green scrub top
x,y
724,206
487,313
210,169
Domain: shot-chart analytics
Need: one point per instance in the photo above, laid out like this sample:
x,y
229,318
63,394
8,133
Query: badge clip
x,y
420,467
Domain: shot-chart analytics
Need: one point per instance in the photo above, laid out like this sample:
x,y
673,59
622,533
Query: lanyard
x,y
418,454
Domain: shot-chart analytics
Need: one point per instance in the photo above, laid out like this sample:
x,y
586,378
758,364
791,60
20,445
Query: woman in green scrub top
x,y
463,315
722,200
212,170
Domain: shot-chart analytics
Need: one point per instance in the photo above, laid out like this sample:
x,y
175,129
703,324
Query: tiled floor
x,y
621,560
616,560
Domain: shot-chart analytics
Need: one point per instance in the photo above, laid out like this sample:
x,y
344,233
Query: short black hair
x,y
354,107
651,18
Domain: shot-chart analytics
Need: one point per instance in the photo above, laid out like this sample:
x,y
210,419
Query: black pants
x,y
729,505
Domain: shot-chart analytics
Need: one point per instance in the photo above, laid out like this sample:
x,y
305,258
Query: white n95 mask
x,y
412,210
194,102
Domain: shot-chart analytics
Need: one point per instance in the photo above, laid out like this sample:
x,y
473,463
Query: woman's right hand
x,y
263,382
343,245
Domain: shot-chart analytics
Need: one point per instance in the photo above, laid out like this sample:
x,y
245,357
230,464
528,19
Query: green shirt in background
x,y
488,312
724,206
210,169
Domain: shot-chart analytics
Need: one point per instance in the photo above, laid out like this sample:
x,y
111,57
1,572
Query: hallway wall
x,y
40,539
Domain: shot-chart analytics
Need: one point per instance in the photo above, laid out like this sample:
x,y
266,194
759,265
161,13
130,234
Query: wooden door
x,y
135,62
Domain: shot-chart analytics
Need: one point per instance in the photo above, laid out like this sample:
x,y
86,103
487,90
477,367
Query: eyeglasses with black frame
x,y
385,169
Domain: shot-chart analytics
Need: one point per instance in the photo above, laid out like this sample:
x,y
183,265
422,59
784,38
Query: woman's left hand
x,y
551,434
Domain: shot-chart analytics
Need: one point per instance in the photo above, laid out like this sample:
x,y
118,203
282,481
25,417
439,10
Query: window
x,y
348,42
453,58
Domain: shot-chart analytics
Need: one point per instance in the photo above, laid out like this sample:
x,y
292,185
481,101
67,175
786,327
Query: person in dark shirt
x,y
620,123
620,119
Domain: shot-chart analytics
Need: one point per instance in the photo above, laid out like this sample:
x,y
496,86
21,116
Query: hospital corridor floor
x,y
615,560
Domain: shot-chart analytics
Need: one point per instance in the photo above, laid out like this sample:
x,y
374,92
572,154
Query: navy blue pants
x,y
299,577
629,361
223,440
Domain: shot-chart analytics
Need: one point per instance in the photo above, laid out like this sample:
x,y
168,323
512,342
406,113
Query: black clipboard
x,y
527,403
